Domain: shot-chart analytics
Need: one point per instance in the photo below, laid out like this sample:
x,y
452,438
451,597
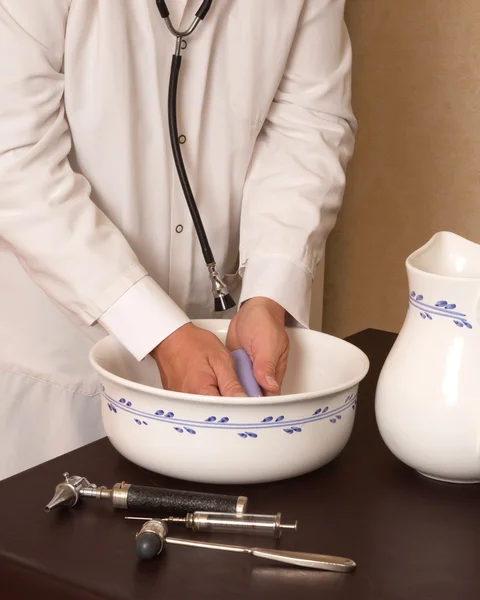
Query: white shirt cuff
x,y
143,317
284,282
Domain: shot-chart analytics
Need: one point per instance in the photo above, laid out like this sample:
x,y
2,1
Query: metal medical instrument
x,y
153,535
213,522
222,298
138,497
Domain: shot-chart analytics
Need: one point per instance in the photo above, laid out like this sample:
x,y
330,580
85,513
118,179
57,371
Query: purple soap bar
x,y
244,369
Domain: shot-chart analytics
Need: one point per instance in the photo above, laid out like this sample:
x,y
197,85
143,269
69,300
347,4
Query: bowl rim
x,y
231,400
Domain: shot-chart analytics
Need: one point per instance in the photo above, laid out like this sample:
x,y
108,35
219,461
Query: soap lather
x,y
244,369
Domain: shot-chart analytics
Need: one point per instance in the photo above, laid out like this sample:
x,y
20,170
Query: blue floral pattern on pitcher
x,y
441,308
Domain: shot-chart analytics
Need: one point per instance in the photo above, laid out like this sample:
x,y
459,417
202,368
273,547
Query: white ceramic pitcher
x,y
428,395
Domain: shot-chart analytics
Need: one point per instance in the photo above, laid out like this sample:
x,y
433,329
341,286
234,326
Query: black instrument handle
x,y
179,502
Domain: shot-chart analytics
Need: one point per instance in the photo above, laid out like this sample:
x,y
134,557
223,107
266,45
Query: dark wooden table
x,y
412,538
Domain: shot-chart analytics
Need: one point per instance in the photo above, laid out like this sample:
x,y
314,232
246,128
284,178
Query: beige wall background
x,y
416,169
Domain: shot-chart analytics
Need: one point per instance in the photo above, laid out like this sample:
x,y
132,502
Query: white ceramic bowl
x,y
231,440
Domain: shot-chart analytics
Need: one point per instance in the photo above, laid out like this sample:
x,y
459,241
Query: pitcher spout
x,y
447,255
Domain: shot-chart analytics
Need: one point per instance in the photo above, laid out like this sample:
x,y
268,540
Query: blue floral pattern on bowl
x,y
441,308
244,430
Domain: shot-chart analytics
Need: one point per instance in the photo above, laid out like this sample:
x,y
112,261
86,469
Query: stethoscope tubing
x,y
222,298
178,159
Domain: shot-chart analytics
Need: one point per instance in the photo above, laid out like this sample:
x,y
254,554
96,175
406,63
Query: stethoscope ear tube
x,y
203,10
162,9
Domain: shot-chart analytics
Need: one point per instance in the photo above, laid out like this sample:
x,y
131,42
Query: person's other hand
x,y
195,361
259,328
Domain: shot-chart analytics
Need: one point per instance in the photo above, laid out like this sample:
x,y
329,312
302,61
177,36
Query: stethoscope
x,y
222,298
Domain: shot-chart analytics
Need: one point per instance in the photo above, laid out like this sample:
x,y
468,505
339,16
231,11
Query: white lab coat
x,y
95,235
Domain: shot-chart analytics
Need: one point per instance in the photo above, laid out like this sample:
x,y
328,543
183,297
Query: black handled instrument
x,y
144,498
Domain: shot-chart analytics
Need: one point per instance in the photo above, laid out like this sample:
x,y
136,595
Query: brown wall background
x,y
416,169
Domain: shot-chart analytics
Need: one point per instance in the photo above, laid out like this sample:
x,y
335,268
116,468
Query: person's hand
x,y
259,328
195,361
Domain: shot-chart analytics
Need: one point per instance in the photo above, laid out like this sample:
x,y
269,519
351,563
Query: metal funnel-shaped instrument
x,y
67,493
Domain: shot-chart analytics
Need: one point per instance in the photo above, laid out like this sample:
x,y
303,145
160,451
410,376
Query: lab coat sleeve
x,y
296,179
68,247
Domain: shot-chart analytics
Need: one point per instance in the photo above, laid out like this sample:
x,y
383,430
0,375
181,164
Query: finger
x,y
210,390
203,382
233,340
279,374
282,367
268,349
227,379
265,371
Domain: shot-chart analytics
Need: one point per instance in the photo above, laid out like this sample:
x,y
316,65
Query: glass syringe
x,y
213,522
